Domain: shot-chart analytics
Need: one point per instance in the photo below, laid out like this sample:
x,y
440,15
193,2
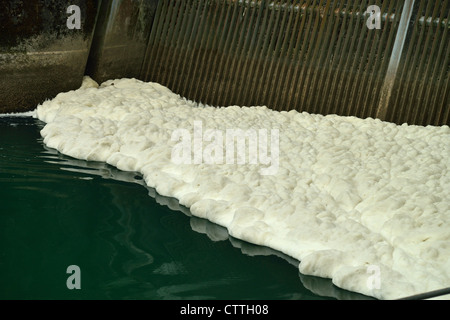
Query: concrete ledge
x,y
40,55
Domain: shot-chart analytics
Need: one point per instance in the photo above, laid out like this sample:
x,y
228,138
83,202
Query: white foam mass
x,y
361,201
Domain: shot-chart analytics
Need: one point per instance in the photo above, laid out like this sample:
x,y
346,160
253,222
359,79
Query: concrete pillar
x,y
44,47
120,39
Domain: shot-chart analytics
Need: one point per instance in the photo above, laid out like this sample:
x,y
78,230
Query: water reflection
x,y
141,256
59,211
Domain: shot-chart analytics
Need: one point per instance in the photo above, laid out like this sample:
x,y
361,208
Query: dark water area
x,y
128,242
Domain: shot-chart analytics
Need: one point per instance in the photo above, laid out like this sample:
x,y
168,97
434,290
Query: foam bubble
x,y
350,195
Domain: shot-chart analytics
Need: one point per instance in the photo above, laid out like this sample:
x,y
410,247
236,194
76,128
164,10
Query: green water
x,y
128,242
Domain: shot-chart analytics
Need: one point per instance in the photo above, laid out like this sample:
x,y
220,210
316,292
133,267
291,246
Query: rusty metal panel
x,y
421,93
43,51
318,56
315,56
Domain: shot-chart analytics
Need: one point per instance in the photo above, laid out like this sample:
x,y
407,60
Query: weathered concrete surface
x,y
40,55
120,39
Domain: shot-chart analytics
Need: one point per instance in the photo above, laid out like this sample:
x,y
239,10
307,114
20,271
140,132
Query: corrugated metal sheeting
x,y
422,90
316,56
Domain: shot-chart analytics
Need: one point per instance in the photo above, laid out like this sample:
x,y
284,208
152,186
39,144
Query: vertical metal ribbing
x,y
154,40
310,65
254,13
282,83
368,68
227,43
201,73
345,55
295,65
174,52
295,99
355,64
250,46
224,49
351,58
433,41
440,72
276,56
404,74
184,46
439,101
445,106
325,61
329,73
263,49
377,62
182,51
265,61
395,60
358,67
159,39
410,74
408,103
250,60
310,55
175,39
231,69
199,41
315,61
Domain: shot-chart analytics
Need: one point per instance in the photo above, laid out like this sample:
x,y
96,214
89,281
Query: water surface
x,y
129,242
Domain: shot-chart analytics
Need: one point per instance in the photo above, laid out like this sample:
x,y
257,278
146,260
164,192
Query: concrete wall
x,y
120,40
40,55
